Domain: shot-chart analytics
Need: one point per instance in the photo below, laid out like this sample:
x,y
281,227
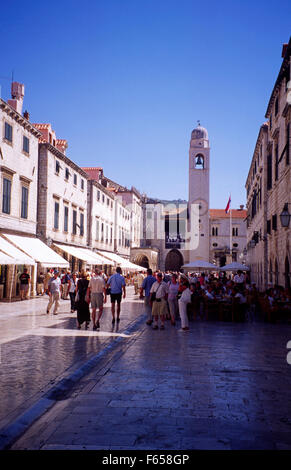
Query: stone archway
x,y
174,261
142,260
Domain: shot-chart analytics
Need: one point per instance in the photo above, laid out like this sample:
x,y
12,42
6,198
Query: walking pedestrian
x,y
65,278
47,278
117,286
140,279
54,291
173,288
97,292
145,289
72,291
159,291
82,301
24,280
184,300
39,284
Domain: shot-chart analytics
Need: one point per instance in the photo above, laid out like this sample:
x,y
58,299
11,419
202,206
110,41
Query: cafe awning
x,y
122,262
37,251
84,254
9,254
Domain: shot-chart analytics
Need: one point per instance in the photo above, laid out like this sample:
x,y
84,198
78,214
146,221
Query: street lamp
x,y
285,216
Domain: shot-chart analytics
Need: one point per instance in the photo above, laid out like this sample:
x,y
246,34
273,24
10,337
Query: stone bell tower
x,y
199,165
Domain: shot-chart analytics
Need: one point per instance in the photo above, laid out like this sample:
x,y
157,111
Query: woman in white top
x,y
184,300
72,291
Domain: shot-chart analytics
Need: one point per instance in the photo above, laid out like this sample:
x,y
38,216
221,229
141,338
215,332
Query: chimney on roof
x,y
26,115
284,49
17,94
62,145
241,207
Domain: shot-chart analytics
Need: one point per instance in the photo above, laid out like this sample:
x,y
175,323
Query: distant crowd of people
x,y
166,295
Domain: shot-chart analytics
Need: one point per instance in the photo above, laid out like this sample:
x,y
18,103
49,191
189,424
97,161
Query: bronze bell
x,y
199,160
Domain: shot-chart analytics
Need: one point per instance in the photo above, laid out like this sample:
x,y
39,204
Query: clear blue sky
x,y
125,81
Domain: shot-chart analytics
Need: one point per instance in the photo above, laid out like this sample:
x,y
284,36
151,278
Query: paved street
x,y
220,386
38,350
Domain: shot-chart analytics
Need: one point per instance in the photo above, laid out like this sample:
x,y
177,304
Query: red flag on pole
x,y
228,205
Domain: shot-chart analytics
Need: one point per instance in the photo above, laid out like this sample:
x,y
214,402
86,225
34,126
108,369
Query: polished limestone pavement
x,y
220,386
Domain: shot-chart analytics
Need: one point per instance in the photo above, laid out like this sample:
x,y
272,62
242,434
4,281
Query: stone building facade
x,y
62,198
268,187
19,175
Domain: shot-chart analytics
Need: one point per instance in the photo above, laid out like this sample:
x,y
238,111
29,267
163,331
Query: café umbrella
x,y
199,265
234,267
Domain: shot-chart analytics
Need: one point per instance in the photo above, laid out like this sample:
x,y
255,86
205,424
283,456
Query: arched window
x,y
199,162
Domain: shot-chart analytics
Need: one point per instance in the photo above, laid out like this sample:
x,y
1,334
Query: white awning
x,y
84,254
122,262
13,255
39,251
137,267
5,259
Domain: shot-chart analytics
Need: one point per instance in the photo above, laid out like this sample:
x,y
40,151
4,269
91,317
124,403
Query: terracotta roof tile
x,y
41,126
220,214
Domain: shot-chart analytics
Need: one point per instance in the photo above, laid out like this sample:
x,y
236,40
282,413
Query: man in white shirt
x,y
208,293
54,290
97,290
159,305
239,279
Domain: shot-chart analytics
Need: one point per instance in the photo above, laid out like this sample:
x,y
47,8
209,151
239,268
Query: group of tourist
x,y
166,296
84,289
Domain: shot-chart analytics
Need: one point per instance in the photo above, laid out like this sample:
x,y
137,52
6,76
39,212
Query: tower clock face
x,y
200,207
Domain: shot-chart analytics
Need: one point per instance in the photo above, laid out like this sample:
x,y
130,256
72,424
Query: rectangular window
x,y
102,232
106,239
82,184
8,132
56,217
111,236
74,222
269,226
25,146
276,162
67,173
58,166
24,202
103,198
81,225
269,171
274,222
6,199
97,230
98,195
75,179
66,219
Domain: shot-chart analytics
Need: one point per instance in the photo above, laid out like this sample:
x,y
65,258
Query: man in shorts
x,y
159,304
117,286
24,279
96,289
